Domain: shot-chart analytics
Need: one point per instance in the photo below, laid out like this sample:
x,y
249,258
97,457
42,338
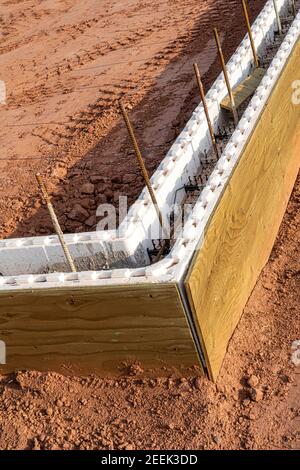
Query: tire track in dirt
x,y
44,88
85,131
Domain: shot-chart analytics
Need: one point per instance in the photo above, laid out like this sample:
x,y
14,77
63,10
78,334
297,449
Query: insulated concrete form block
x,y
27,259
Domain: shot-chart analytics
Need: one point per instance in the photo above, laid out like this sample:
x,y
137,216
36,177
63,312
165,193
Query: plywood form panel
x,y
242,231
96,329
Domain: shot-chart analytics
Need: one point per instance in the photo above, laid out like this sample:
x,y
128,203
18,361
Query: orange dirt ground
x,y
65,64
45,47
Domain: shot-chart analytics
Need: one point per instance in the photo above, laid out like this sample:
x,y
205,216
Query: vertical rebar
x,y
256,60
229,89
209,123
294,8
144,171
55,223
277,17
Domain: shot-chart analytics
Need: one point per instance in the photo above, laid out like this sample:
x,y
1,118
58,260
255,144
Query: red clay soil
x,y
65,64
254,405
44,48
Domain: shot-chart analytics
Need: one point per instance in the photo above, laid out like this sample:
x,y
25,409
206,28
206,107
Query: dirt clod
x,y
87,188
78,213
253,381
256,394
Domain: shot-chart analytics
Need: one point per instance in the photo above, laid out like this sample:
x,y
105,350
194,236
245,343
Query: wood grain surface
x,y
244,90
242,231
96,329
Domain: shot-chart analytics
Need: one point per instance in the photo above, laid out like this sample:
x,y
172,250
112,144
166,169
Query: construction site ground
x,y
65,64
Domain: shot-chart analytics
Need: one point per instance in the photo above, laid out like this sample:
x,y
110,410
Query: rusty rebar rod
x,y
246,14
203,99
145,175
277,17
229,89
55,222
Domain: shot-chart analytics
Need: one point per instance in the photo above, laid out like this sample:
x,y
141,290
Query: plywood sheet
x,y
96,329
242,231
244,90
